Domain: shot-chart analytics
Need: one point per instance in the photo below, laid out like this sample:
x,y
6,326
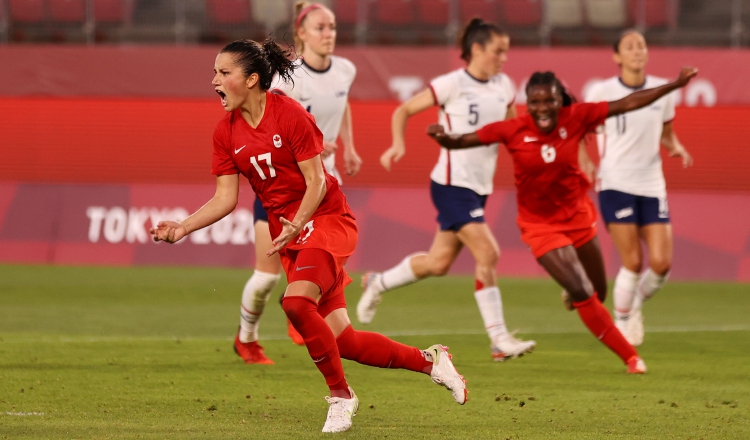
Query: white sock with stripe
x,y
397,276
491,307
254,298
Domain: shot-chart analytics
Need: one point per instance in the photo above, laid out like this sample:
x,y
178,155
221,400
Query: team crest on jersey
x,y
277,141
563,133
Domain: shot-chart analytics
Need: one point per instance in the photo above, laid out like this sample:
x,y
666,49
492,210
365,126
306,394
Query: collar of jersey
x,y
307,66
475,78
640,87
266,113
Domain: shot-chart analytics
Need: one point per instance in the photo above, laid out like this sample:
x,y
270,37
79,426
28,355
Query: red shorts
x,y
545,237
319,254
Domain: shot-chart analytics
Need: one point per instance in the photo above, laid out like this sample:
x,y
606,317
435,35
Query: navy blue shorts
x,y
259,213
456,206
620,207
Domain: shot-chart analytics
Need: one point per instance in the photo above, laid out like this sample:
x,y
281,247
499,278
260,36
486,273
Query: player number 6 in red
x,y
548,153
267,158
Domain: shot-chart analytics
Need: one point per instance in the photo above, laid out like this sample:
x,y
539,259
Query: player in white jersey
x,y
630,181
321,85
460,182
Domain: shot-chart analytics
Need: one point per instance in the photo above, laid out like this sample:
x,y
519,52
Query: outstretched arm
x,y
642,98
455,141
221,204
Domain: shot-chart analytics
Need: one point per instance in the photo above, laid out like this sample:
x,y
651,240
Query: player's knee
x,y
296,307
632,261
660,265
440,267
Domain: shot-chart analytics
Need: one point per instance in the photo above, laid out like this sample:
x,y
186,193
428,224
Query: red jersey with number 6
x,y
268,155
551,186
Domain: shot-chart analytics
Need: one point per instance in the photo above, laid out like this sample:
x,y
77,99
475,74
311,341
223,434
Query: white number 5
x,y
548,153
267,158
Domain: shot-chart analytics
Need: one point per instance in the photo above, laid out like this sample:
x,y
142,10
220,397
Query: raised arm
x,y
642,98
673,145
315,179
222,203
352,161
455,141
419,102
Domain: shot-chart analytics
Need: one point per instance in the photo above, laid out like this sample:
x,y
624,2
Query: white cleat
x,y
371,297
632,326
340,413
510,348
445,374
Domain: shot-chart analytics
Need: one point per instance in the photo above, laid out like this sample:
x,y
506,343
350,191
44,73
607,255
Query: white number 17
x,y
267,158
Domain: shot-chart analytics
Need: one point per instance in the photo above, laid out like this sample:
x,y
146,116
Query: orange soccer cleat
x,y
251,352
294,334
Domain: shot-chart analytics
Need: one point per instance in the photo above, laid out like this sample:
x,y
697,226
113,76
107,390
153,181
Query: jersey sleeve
x,y
495,132
592,114
305,138
222,163
443,88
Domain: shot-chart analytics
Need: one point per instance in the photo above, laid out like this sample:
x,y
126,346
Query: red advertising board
x,y
108,224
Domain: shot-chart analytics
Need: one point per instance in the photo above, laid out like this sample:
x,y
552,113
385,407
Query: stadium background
x,y
106,117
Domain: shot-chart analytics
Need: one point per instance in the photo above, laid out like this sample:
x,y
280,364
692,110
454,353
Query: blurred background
x,y
367,22
107,115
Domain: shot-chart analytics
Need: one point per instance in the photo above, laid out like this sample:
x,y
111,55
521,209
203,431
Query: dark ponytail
x,y
549,79
267,60
476,31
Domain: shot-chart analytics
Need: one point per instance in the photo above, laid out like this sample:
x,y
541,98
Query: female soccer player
x,y
632,190
556,217
460,182
272,141
321,85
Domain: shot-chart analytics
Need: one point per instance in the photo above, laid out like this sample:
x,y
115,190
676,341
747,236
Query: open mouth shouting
x,y
223,97
544,122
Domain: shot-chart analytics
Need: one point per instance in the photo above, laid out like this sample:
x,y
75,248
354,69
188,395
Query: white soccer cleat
x,y
510,348
634,331
445,374
371,297
636,365
340,413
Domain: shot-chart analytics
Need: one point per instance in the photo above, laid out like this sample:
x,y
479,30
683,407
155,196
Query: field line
x,y
397,333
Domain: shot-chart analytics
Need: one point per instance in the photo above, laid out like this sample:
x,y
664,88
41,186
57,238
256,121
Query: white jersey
x,y
466,105
323,93
629,143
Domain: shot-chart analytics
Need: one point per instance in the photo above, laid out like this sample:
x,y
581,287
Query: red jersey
x,y
268,155
551,186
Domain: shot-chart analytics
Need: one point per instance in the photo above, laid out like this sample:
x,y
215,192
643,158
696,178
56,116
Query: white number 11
x,y
267,158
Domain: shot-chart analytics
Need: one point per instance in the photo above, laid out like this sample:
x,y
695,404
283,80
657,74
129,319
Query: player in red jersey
x,y
272,141
556,217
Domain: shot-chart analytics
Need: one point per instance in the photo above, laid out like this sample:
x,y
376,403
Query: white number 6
x,y
548,153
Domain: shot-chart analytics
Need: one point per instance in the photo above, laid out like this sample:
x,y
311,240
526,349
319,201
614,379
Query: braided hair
x,y
549,79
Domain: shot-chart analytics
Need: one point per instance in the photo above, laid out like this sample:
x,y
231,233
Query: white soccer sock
x,y
397,276
491,308
254,298
625,285
650,283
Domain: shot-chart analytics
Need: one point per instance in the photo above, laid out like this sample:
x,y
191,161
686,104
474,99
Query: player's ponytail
x,y
549,79
476,31
279,62
267,60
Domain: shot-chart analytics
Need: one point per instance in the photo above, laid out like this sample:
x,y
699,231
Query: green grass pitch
x,y
98,353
